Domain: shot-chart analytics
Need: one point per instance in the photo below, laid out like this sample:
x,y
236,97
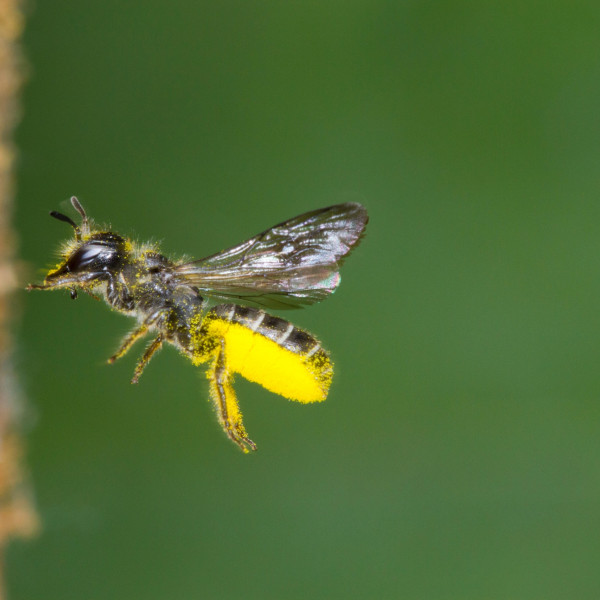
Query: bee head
x,y
91,256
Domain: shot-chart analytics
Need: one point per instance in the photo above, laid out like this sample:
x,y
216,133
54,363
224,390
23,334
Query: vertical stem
x,y
17,516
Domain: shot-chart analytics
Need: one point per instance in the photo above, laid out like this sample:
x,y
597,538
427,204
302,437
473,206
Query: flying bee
x,y
287,266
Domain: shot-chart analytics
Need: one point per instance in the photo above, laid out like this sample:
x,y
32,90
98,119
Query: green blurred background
x,y
458,454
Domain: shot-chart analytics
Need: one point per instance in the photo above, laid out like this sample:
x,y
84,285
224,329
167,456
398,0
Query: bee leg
x,y
228,411
129,341
150,350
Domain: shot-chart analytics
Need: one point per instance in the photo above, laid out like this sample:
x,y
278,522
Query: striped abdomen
x,y
278,330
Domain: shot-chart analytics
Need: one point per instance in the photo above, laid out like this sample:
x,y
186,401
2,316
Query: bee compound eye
x,y
89,254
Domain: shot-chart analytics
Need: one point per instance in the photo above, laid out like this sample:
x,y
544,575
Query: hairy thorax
x,y
141,288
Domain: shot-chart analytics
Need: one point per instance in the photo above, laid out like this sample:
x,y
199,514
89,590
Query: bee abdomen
x,y
278,330
269,351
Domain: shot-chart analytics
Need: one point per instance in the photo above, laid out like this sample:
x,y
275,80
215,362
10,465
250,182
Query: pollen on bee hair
x,y
67,247
141,249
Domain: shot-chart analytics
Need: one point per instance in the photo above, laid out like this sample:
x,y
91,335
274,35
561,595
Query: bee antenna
x,y
84,220
68,220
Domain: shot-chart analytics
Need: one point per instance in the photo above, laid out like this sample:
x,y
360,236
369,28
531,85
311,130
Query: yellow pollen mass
x,y
259,359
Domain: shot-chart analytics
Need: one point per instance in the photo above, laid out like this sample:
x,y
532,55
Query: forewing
x,y
290,265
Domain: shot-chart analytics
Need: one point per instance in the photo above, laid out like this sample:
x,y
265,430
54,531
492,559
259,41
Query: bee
x,y
290,265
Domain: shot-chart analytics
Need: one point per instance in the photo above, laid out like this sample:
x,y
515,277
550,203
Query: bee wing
x,y
290,265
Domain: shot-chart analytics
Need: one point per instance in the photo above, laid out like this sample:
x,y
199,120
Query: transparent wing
x,y
290,265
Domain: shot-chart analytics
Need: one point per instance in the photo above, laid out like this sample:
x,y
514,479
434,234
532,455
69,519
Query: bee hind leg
x,y
223,396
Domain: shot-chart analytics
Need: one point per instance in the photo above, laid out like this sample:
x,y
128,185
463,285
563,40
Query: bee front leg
x,y
223,395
